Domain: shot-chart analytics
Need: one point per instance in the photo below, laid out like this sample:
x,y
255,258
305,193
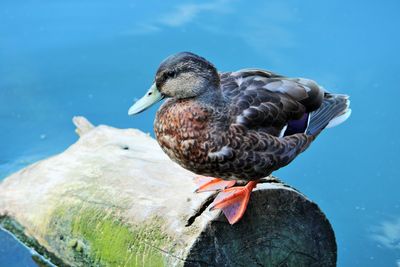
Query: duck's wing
x,y
268,102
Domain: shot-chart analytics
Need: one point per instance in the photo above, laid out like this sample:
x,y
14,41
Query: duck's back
x,y
268,102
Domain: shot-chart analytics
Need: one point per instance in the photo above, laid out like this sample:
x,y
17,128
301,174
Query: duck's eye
x,y
169,74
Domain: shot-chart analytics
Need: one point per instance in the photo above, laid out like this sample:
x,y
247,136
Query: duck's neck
x,y
212,97
217,107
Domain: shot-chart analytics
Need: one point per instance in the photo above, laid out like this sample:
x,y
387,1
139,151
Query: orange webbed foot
x,y
212,184
233,201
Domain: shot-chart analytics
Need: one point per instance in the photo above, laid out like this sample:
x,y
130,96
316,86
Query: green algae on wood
x,y
98,238
111,242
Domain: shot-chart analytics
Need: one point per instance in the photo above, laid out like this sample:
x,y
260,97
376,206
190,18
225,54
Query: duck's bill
x,y
150,98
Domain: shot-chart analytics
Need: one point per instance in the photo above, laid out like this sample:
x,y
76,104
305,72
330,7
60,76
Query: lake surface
x,y
93,58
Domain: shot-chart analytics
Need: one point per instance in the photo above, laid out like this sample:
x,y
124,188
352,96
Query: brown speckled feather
x,y
236,135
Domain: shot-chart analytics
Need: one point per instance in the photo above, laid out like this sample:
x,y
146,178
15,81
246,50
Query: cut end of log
x,y
281,227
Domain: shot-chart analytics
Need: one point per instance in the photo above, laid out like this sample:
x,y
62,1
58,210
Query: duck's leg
x,y
212,184
233,201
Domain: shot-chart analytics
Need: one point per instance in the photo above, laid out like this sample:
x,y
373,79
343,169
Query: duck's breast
x,y
182,129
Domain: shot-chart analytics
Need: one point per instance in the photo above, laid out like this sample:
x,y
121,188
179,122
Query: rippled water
x,y
92,58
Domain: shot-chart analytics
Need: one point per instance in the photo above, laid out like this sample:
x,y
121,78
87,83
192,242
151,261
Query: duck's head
x,y
183,75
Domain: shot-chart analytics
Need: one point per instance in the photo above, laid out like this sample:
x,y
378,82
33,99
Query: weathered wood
x,y
114,199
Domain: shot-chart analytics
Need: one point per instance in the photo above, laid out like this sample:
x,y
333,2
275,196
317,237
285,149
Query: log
x,y
115,199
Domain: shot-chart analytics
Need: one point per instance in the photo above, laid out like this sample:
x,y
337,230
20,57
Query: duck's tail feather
x,y
334,110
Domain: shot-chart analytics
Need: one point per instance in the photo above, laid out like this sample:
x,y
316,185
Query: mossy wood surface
x,y
114,199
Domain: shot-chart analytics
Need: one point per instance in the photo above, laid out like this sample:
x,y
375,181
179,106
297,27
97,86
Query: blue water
x,y
12,253
64,58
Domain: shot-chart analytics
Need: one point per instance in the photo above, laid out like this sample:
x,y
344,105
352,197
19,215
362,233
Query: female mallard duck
x,y
240,125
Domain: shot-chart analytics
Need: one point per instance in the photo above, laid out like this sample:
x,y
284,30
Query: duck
x,y
235,127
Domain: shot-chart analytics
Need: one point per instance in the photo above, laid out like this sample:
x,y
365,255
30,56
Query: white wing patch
x,y
224,151
282,133
240,119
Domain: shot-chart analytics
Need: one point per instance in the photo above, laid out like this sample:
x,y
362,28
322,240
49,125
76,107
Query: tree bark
x,y
114,199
